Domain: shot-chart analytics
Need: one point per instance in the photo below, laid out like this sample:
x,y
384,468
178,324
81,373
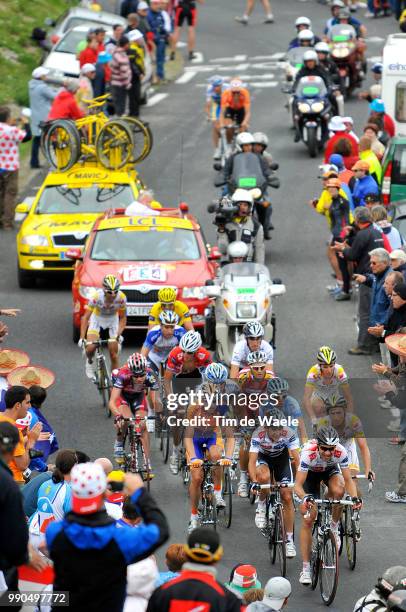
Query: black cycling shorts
x,y
314,480
188,14
236,114
279,466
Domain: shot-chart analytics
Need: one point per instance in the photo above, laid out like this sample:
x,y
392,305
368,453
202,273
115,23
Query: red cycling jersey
x,y
202,358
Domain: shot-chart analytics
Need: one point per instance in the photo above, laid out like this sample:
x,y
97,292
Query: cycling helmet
x,y
377,68
242,195
216,373
344,13
335,401
190,342
253,329
137,363
261,138
393,579
168,317
237,250
276,415
397,601
327,435
256,357
322,47
326,355
236,85
277,386
111,283
310,56
245,138
167,295
303,21
305,35
216,81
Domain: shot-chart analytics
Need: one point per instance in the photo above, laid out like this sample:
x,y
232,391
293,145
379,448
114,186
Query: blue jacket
x,y
380,302
362,187
157,24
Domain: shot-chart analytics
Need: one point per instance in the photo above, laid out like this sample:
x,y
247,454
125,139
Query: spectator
x,y
47,446
11,136
141,579
71,543
157,24
371,131
186,11
17,400
366,154
375,90
144,26
364,238
343,147
395,289
127,7
346,176
64,105
103,73
384,121
244,577
338,128
349,127
398,259
371,200
41,97
253,595
90,53
85,91
120,75
175,557
197,580
364,183
391,579
118,32
276,594
136,54
380,218
133,23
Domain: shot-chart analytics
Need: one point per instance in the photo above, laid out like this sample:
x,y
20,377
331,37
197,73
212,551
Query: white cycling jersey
x,y
261,443
242,350
311,461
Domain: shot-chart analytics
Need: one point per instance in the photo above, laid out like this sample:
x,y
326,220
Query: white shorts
x,y
96,323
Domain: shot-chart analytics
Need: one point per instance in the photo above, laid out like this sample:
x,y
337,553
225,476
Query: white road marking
x,y
186,77
235,58
156,99
249,77
264,84
198,59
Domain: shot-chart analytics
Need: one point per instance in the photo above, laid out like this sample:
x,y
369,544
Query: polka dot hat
x,y
88,482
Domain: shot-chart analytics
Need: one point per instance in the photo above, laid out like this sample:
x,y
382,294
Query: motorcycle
x,y
293,63
243,292
311,111
344,53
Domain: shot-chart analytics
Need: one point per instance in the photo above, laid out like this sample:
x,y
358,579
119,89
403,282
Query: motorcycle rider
x,y
335,7
391,580
244,161
260,145
344,16
237,252
301,24
323,51
375,90
243,227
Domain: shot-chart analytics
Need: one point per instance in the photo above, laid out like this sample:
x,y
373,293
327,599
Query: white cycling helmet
x,y
236,85
190,342
237,250
242,195
261,138
310,56
245,138
322,47
305,35
303,21
216,373
253,329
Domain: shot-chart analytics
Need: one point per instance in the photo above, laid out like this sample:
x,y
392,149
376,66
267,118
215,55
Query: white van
x,y
394,80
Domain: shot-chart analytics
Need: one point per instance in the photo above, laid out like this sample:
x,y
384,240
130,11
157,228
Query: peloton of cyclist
x,y
106,313
167,301
254,341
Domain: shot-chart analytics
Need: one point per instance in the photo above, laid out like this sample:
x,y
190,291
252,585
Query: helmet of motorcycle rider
x,y
260,138
245,138
305,35
397,601
322,47
392,579
303,21
242,195
343,14
337,3
310,56
237,250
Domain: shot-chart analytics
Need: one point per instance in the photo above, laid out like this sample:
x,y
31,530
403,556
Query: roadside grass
x,y
19,55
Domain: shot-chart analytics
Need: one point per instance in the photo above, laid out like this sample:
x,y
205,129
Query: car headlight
x,y
317,107
245,310
86,291
193,293
304,107
35,240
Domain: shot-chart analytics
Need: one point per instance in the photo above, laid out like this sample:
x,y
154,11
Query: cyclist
x,y
254,341
271,446
205,440
227,390
254,378
212,110
235,108
277,389
106,312
392,579
131,384
321,460
167,301
161,339
186,361
325,379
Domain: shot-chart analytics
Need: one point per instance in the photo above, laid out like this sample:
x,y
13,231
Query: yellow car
x,y
62,214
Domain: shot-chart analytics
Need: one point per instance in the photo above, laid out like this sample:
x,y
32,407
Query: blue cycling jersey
x,y
160,347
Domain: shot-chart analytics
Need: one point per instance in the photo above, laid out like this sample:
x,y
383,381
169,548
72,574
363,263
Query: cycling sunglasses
x,y
109,292
169,326
139,375
327,449
258,368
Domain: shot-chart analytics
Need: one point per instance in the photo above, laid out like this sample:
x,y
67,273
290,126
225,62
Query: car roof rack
x,y
180,211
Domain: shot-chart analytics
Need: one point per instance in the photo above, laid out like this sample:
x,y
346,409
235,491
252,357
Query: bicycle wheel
x,y
130,455
225,515
328,568
315,557
251,495
213,511
277,541
350,537
104,387
114,144
142,137
142,464
62,144
165,439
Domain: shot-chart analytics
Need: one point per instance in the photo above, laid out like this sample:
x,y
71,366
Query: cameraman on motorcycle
x,y
243,227
344,17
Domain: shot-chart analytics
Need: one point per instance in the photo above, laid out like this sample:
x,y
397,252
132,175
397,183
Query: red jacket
x,y
332,141
88,56
65,107
389,125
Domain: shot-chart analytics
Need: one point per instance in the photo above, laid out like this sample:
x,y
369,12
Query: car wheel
x,y
75,333
26,280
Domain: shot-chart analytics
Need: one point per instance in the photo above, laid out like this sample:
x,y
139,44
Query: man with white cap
x,y
41,97
398,261
339,131
276,594
90,554
349,125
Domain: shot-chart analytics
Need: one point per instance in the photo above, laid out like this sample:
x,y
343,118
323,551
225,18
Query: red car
x,y
145,253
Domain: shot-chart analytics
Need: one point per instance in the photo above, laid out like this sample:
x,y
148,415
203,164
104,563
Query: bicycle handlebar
x,y
277,485
336,502
101,342
99,101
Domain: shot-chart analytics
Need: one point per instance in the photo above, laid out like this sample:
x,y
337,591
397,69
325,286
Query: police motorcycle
x,y
311,112
242,291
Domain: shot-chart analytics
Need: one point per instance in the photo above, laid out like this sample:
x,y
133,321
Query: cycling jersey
x,y
97,304
227,396
352,429
180,309
321,384
228,100
262,443
250,384
159,346
123,379
242,350
311,461
54,501
202,359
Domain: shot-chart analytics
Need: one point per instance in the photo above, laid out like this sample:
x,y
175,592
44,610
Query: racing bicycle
x,y
135,460
208,506
350,529
102,377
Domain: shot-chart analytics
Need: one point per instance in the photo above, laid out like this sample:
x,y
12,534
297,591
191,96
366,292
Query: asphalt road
x,y
180,169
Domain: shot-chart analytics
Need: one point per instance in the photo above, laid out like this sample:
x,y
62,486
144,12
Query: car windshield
x,y
93,199
152,244
70,41
311,87
76,21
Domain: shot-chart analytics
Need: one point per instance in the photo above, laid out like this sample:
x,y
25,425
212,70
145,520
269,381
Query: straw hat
x,y
31,375
12,358
397,344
